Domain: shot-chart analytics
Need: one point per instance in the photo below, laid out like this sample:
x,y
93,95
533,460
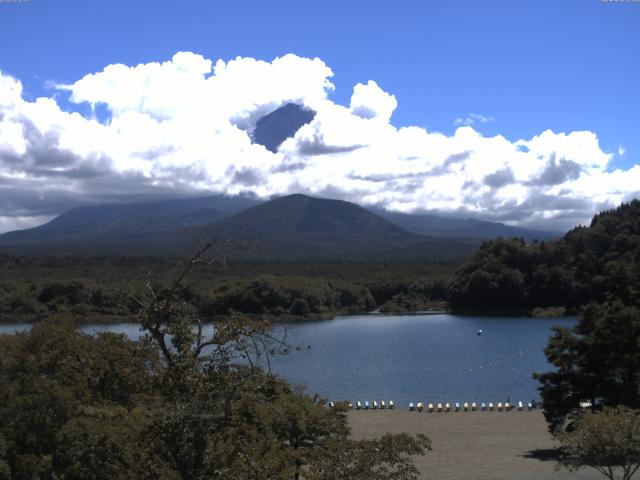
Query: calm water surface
x,y
432,358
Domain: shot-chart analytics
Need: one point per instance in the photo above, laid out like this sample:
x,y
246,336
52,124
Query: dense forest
x,y
589,264
99,288
175,405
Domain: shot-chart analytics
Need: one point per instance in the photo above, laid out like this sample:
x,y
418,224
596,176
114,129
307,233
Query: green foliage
x,y
597,361
608,441
91,289
598,263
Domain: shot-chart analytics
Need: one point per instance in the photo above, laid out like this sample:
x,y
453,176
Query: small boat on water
x,y
412,407
358,405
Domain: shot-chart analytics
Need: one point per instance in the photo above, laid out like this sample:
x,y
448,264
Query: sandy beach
x,y
474,445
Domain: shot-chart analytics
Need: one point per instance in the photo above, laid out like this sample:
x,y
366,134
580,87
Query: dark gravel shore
x,y
474,445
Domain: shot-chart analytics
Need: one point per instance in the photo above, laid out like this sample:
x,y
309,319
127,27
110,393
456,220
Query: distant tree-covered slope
x,y
596,263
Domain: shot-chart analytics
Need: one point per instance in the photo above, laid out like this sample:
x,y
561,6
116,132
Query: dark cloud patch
x,y
248,177
364,112
500,178
289,167
155,152
557,172
315,147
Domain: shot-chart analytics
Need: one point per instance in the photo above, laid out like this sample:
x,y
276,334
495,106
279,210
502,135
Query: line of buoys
x,y
473,406
441,407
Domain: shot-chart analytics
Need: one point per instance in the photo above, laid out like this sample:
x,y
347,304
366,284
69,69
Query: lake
x,y
429,358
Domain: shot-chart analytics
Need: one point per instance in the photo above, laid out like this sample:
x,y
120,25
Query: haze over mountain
x,y
291,227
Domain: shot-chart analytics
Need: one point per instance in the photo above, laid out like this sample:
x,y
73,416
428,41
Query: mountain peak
x,y
281,124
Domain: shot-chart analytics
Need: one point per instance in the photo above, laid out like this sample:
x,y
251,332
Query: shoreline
x,y
473,445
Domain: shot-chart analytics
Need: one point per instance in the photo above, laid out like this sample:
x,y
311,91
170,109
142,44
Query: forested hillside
x,y
589,264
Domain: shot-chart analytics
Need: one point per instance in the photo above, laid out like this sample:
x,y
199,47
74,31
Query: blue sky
x,y
524,67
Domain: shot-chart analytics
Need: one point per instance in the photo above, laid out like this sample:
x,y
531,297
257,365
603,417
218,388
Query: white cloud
x,y
183,127
471,119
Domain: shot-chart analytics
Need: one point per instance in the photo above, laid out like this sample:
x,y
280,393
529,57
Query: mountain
x,y
302,227
437,226
134,228
281,124
286,228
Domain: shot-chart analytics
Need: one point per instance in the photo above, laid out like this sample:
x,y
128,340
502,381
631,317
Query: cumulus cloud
x,y
183,127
